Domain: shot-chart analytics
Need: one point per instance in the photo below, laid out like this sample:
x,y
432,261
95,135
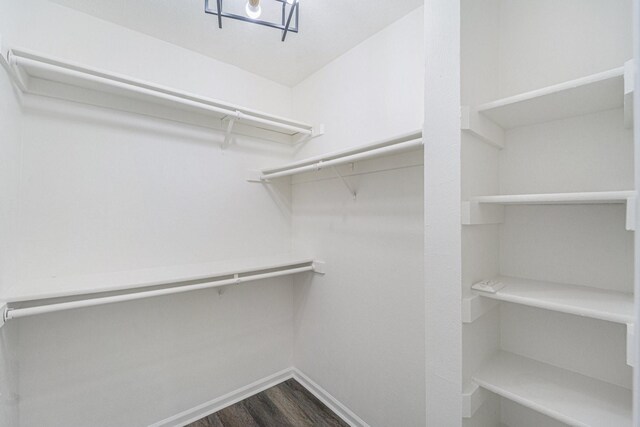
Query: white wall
x,y
545,42
372,92
9,179
105,191
360,329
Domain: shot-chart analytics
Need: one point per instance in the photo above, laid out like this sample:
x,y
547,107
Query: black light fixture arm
x,y
288,24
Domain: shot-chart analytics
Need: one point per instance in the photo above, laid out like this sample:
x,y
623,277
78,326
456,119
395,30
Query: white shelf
x,y
42,75
569,397
598,92
87,284
406,142
474,214
572,299
558,198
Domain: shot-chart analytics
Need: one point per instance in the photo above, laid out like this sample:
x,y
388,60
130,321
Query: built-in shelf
x,y
474,213
572,299
67,292
42,75
598,92
569,397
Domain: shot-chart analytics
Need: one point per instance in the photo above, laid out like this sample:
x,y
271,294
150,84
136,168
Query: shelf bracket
x,y
319,267
631,214
474,213
473,396
228,134
3,313
353,192
481,127
316,131
631,357
475,306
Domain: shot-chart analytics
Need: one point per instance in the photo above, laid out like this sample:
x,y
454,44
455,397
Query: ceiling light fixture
x,y
284,14
253,9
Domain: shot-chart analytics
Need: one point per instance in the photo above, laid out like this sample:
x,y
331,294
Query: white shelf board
x,y
473,212
558,198
572,299
43,75
569,397
598,92
75,285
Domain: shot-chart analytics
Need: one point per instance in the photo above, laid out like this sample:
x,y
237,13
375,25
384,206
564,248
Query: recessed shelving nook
x,y
548,214
42,75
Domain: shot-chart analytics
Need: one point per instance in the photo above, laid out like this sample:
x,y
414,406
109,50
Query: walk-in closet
x,y
299,213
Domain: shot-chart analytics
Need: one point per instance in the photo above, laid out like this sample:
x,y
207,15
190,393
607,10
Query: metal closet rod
x,y
16,313
376,152
145,89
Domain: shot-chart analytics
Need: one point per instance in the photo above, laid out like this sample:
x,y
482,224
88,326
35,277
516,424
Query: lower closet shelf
x,y
569,397
601,304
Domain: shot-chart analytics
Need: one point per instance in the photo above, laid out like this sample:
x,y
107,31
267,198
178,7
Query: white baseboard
x,y
215,405
208,408
334,404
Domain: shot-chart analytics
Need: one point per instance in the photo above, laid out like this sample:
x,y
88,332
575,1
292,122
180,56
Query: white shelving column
x,y
549,207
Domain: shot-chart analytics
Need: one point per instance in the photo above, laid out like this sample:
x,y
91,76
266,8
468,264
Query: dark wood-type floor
x,y
286,405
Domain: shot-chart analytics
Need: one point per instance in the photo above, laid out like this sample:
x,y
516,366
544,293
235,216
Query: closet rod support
x,y
353,192
228,135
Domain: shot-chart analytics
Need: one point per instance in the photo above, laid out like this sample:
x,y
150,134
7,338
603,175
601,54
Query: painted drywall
x,y
370,93
443,269
359,330
9,181
101,191
548,41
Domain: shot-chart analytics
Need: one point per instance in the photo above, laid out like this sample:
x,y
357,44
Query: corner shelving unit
x,y
572,398
42,75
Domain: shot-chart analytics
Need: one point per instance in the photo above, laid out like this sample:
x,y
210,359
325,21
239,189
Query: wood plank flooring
x,y
288,404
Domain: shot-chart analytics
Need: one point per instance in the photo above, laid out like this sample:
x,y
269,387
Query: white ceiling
x,y
328,28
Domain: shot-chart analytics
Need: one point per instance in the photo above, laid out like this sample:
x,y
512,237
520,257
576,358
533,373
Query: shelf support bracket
x,y
319,267
300,139
3,313
228,134
631,357
631,214
353,192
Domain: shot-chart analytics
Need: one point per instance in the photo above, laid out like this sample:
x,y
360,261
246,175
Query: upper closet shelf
x,y
598,92
41,75
386,147
571,398
474,213
70,292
